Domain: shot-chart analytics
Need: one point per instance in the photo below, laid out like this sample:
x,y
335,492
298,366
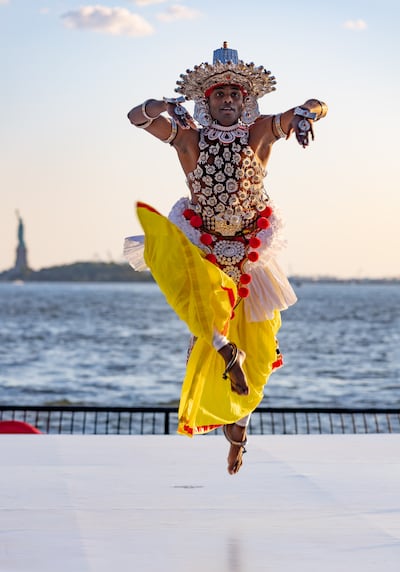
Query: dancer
x,y
214,256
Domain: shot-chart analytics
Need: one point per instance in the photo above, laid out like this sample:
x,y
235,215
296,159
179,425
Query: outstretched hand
x,y
303,129
181,115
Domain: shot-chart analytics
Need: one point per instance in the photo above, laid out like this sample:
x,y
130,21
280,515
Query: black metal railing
x,y
163,420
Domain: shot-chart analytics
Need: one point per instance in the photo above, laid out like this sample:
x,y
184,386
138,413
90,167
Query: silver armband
x,y
174,131
146,115
278,126
143,125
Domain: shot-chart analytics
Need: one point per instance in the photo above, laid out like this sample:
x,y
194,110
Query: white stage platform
x,y
166,503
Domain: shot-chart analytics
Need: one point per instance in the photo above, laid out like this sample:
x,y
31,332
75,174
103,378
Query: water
x,y
120,344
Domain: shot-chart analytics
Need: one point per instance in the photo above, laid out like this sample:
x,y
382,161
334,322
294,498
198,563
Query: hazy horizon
x,y
105,261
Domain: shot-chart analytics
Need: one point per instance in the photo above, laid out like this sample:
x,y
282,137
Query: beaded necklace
x,y
226,134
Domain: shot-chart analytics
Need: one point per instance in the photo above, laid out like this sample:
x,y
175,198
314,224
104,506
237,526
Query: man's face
x,y
226,104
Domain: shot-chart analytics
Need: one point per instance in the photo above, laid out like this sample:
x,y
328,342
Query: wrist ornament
x,y
304,125
176,101
305,113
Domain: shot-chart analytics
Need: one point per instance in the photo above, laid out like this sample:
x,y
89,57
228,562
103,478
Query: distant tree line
x,y
81,272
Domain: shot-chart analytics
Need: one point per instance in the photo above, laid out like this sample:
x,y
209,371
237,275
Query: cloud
x,y
113,21
148,2
355,25
3,1
178,12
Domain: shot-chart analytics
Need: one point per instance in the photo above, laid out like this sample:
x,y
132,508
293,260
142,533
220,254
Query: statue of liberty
x,y
21,241
21,260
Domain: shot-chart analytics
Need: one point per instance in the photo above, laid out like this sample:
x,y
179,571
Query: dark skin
x,y
226,106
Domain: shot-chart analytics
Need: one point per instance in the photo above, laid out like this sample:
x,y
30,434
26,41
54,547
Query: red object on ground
x,y
17,427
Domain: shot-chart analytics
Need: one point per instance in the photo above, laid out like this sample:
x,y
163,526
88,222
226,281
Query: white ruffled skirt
x,y
269,289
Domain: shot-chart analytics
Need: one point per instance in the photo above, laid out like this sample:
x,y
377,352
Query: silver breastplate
x,y
227,183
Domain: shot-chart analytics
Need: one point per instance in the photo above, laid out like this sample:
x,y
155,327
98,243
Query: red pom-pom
x,y
253,256
196,221
188,213
267,212
263,222
243,292
254,242
206,239
211,258
245,279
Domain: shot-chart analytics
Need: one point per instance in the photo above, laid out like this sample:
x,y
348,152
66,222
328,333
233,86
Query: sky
x,y
73,166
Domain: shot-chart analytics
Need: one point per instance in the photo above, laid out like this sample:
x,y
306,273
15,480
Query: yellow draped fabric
x,y
204,297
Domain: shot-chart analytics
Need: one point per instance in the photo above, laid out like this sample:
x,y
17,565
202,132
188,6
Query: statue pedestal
x,y
21,261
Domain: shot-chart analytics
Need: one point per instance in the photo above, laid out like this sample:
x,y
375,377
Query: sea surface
x,y
121,345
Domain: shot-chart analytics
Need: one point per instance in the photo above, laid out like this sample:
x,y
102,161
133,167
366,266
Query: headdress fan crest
x,y
225,69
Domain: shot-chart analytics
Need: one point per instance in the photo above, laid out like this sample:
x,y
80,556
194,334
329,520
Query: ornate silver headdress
x,y
226,69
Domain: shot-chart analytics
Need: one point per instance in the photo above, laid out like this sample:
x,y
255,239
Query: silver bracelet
x,y
145,114
278,126
174,100
174,131
305,113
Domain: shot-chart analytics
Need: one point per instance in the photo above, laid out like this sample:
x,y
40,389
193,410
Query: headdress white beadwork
x,y
256,81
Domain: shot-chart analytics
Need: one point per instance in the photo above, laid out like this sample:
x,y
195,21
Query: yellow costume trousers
x,y
205,298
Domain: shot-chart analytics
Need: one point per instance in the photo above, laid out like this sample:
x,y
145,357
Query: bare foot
x,y
236,436
234,359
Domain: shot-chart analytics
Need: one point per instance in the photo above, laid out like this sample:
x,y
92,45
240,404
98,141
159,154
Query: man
x,y
214,258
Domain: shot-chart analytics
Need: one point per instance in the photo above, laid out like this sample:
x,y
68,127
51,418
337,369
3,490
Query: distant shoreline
x,y
79,272
116,272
